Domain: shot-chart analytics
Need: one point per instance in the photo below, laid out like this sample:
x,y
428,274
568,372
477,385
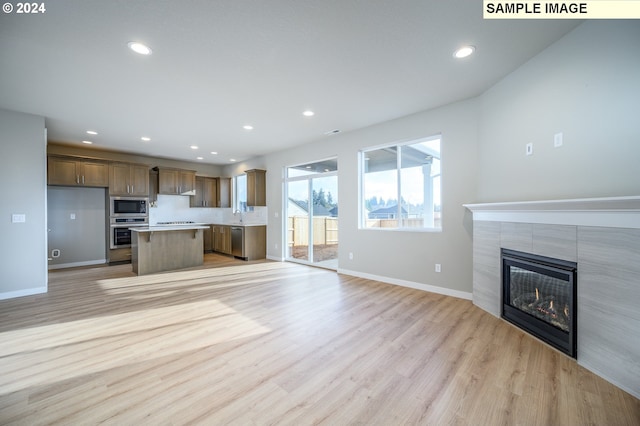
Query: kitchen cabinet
x,y
222,239
248,242
256,187
153,187
128,179
207,236
254,243
70,171
176,181
157,249
224,191
206,192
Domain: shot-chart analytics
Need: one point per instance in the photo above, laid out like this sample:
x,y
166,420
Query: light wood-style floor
x,y
279,343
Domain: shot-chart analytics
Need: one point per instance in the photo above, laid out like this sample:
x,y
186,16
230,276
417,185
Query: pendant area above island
x,y
166,248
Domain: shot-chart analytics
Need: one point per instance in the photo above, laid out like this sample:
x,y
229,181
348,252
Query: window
x,y
401,186
240,193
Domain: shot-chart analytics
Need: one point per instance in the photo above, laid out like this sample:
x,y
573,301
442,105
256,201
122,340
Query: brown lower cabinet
x,y
207,237
254,244
222,239
254,241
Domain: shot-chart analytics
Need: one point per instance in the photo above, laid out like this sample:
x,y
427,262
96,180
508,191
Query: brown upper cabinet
x,y
128,179
176,181
206,192
224,191
211,192
153,186
69,171
256,187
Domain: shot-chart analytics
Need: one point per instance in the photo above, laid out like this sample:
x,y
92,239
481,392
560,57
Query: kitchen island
x,y
166,248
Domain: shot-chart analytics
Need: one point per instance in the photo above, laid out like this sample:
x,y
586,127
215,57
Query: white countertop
x,y
239,224
164,228
205,224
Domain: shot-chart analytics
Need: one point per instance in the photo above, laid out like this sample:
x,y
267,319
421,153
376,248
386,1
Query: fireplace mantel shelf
x,y
613,212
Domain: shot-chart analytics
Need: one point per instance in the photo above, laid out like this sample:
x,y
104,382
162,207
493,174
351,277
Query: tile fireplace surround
x,y
603,236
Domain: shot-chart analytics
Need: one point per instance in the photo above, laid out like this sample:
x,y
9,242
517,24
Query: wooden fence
x,y
406,223
325,230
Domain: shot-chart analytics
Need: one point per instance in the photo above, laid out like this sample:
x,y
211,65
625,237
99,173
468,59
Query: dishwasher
x,y
237,241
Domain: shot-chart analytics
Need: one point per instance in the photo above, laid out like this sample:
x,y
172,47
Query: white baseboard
x,y
76,264
597,372
418,286
21,293
277,259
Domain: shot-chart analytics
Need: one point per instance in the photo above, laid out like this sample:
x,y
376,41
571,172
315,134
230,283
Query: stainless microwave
x,y
128,206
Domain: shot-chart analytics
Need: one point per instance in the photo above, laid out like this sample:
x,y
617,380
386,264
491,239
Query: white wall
x,y
83,239
23,252
396,256
586,86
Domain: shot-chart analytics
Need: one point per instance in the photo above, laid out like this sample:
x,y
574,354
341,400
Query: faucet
x,y
238,212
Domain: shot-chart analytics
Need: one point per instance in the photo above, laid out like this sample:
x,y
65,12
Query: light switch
x,y
18,218
529,149
557,140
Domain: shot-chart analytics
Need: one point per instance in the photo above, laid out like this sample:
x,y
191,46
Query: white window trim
x,y
361,167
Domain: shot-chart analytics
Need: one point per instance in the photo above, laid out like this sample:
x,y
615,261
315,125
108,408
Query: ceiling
x,y
219,65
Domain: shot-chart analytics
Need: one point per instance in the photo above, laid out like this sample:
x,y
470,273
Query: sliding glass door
x,y
312,213
297,237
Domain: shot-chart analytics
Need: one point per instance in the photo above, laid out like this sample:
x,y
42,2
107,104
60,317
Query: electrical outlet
x,y
438,267
18,218
72,216
350,255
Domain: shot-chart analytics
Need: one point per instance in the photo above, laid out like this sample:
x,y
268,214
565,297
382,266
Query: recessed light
x,y
199,158
247,127
308,113
193,147
332,132
214,153
463,52
232,160
139,48
87,142
145,138
92,132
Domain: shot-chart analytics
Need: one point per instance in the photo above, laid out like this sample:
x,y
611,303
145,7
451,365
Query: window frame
x,y
362,166
236,190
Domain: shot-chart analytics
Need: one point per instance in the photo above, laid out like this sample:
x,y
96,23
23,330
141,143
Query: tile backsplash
x,y
171,208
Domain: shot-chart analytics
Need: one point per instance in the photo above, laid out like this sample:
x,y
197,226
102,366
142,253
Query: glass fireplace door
x,y
539,296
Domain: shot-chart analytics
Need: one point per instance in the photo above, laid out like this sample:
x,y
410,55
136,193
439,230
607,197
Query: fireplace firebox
x,y
539,296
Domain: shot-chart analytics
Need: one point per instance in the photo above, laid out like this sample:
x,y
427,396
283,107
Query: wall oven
x,y
128,206
120,232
